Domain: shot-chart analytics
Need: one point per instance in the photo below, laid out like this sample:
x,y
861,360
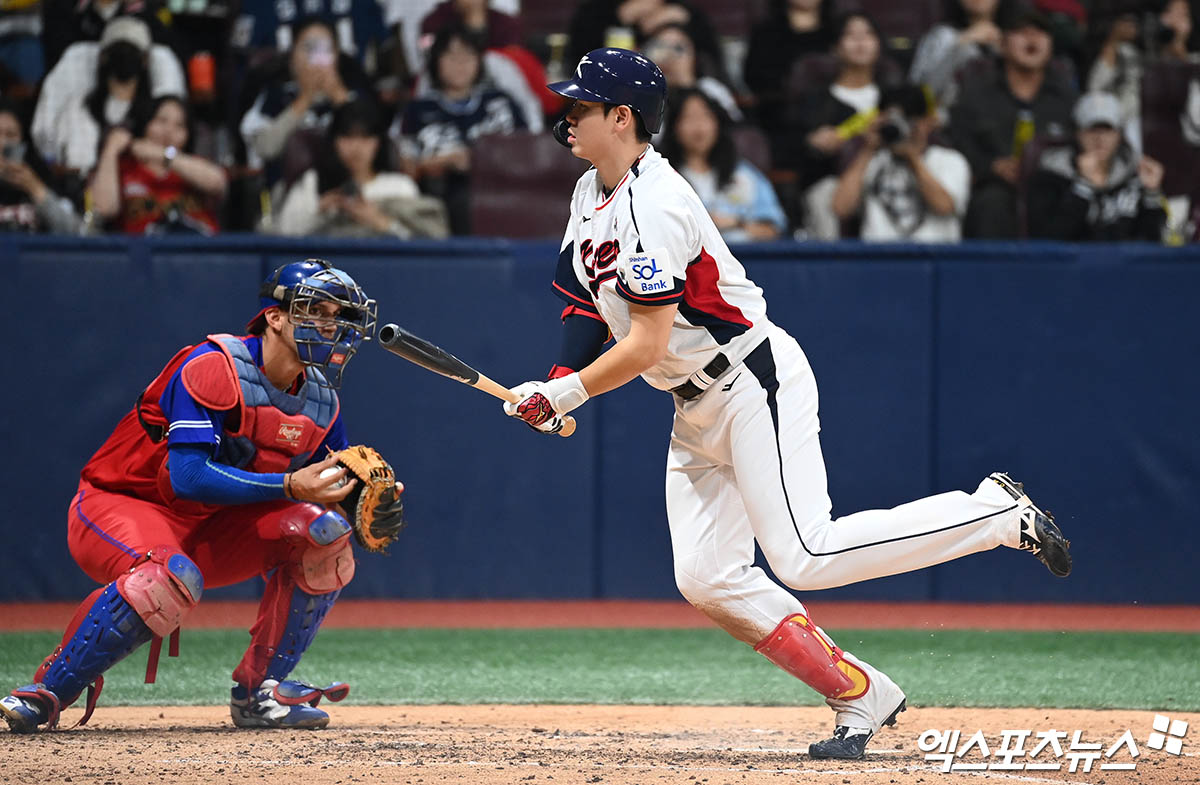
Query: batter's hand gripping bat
x,y
417,350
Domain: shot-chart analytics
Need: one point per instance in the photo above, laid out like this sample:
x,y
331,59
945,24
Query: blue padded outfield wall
x,y
1075,368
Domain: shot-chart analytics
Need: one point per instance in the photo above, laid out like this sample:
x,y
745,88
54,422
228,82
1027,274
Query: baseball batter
x,y
217,475
642,259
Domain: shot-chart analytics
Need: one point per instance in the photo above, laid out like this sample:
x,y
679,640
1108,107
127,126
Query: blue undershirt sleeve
x,y
196,477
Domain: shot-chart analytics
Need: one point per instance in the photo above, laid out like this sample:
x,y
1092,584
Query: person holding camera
x,y
27,203
299,92
1097,189
148,183
351,192
903,187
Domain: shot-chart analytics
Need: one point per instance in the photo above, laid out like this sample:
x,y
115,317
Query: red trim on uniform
x,y
572,296
623,179
575,310
702,293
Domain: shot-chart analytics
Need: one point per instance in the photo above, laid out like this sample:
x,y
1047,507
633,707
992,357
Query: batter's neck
x,y
614,167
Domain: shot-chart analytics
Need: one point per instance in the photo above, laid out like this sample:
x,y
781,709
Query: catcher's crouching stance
x,y
234,463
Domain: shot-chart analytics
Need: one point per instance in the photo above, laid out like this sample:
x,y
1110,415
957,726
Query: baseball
x,y
331,471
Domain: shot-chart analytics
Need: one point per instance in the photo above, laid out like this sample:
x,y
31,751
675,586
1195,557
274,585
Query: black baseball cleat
x,y
1040,535
849,743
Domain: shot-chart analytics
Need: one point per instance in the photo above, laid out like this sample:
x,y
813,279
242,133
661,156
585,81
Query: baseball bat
x,y
434,358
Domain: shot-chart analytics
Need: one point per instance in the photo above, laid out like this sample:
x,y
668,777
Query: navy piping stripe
x,y
640,249
762,364
102,534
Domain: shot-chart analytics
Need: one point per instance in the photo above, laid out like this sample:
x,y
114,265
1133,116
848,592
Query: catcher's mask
x,y
329,311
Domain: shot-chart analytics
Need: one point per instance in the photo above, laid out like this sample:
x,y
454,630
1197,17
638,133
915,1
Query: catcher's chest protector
x,y
272,431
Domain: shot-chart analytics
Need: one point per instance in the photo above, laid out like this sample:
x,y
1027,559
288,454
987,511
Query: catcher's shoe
x,y
1040,535
24,713
268,707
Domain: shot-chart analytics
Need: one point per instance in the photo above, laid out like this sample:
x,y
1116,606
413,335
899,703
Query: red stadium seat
x,y
521,185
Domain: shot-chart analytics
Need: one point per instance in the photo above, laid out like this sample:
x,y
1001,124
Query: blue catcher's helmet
x,y
622,77
326,338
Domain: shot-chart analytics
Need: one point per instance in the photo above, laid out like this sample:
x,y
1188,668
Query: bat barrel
x,y
389,333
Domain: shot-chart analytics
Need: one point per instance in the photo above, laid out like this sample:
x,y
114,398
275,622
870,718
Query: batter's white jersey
x,y
651,241
745,460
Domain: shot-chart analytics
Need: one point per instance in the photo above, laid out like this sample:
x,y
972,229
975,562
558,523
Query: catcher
x,y
233,463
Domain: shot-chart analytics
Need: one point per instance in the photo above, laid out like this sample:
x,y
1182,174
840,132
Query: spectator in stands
x,y
301,92
997,114
67,22
598,23
672,49
147,180
494,28
27,201
790,30
1097,189
97,86
510,67
352,192
970,31
357,27
699,144
904,187
821,125
1128,36
439,126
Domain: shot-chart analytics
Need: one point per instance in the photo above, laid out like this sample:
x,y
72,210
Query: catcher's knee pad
x,y
314,524
162,589
326,568
799,647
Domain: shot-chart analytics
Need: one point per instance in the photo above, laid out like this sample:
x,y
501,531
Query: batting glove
x,y
541,402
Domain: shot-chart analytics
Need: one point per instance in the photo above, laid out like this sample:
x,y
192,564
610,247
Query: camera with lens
x,y
895,127
14,151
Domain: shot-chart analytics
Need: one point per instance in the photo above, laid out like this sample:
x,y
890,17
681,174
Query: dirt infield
x,y
558,745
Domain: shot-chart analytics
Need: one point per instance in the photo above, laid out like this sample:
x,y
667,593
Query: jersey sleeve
x,y
655,271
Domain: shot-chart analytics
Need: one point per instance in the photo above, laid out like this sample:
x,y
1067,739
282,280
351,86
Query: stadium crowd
x,y
924,120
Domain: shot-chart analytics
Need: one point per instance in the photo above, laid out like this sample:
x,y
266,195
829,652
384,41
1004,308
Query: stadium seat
x,y
901,23
753,145
521,185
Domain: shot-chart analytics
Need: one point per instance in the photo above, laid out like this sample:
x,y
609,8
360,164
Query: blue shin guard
x,y
305,615
108,633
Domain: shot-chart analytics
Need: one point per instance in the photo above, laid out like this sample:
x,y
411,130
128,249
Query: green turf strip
x,y
705,667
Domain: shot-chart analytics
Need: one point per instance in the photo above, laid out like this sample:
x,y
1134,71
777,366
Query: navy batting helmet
x,y
622,77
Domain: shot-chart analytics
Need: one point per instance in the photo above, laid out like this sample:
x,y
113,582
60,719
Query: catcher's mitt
x,y
376,507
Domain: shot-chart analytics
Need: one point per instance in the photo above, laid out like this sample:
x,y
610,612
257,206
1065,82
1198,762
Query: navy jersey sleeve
x,y
567,285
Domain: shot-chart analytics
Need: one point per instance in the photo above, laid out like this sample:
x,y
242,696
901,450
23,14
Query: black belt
x,y
691,389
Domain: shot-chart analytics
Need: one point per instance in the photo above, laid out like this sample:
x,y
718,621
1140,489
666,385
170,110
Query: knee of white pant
x,y
794,570
694,590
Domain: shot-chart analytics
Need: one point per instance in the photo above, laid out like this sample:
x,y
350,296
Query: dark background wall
x,y
1074,368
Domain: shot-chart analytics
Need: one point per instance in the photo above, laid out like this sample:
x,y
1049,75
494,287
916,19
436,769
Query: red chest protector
x,y
265,429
